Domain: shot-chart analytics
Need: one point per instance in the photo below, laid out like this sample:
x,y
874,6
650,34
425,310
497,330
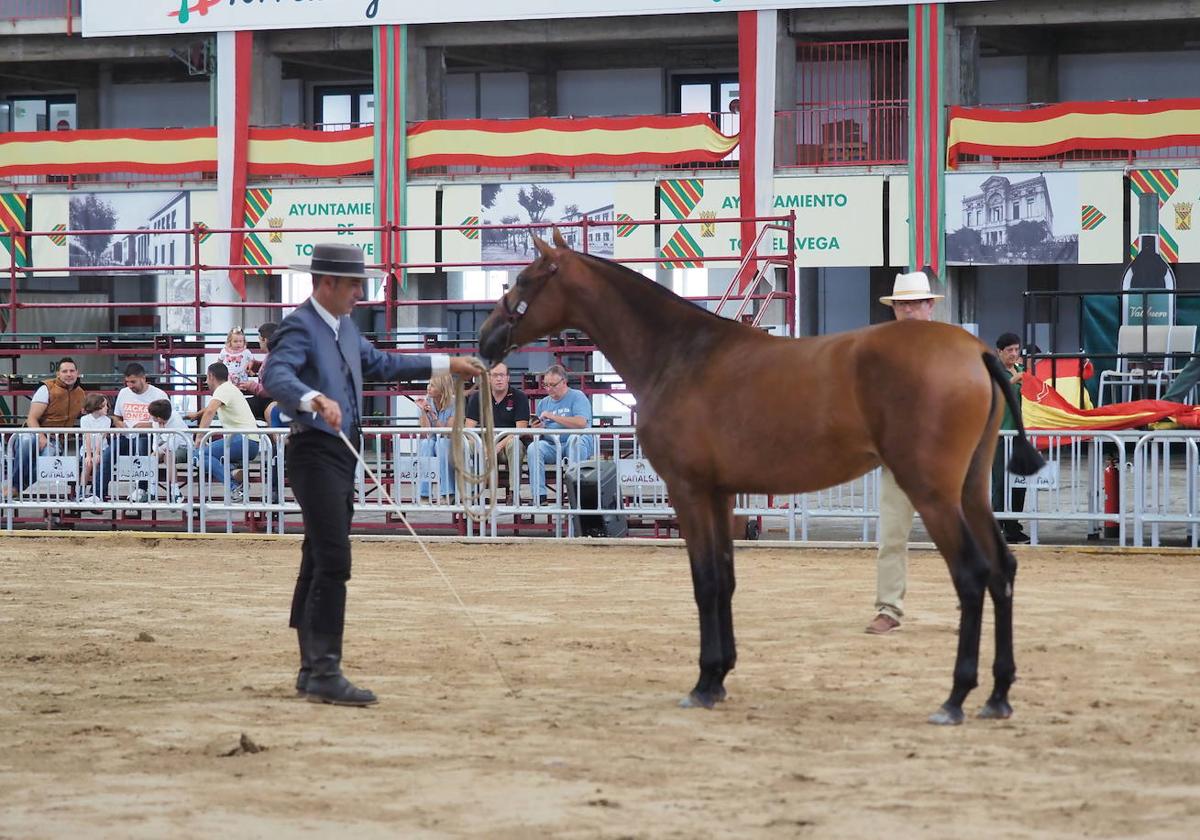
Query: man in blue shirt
x,y
562,408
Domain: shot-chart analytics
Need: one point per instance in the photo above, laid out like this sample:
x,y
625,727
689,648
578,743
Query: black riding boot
x,y
305,665
326,683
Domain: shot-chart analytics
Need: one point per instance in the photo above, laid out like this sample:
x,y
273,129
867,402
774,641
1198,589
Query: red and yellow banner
x,y
1072,126
169,151
1043,408
550,141
648,140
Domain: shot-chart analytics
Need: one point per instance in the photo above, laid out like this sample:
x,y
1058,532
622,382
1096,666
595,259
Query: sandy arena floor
x,y
130,668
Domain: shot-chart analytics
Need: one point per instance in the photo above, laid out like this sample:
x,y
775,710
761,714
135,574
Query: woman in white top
x,y
95,416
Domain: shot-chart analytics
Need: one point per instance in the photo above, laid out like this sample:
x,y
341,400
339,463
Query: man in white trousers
x,y
911,299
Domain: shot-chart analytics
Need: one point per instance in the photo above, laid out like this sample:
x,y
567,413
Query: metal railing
x,y
606,488
1166,476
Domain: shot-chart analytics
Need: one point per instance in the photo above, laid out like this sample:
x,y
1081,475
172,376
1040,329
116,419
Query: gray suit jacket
x,y
305,357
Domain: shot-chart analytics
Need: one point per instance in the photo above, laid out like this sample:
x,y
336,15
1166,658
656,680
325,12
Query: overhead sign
x,y
153,17
839,219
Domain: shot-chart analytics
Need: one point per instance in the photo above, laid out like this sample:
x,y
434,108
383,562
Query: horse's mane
x,y
646,283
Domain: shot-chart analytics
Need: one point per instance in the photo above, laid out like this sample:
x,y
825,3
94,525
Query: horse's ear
x,y
543,249
558,239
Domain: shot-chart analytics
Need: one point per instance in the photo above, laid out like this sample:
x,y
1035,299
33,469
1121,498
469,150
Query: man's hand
x,y
467,367
328,410
1018,377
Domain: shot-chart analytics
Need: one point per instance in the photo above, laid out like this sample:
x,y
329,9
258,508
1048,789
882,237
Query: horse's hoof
x,y
698,700
947,716
993,710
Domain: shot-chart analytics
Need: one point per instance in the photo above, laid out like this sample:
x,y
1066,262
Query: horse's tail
x,y
1025,460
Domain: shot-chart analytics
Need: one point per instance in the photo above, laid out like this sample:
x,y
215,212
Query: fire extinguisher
x,y
1112,497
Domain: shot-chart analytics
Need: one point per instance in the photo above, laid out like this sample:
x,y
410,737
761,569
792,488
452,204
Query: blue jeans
x,y
237,448
23,467
576,447
131,444
438,445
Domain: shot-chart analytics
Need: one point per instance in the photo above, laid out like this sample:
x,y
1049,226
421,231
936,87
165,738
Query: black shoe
x,y
1017,536
305,666
325,683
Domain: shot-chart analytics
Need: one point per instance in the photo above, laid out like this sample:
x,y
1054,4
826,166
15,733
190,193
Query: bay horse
x,y
725,408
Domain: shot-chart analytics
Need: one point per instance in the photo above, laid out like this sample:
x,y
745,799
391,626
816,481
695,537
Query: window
x,y
1016,210
38,113
716,95
994,214
343,107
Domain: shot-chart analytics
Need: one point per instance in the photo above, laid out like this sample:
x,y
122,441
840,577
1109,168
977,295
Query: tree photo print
x,y
128,229
561,202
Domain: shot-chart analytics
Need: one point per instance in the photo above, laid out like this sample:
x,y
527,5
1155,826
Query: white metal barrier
x,y
196,476
1166,472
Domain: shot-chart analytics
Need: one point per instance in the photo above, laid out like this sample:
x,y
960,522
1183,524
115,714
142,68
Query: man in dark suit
x,y
315,372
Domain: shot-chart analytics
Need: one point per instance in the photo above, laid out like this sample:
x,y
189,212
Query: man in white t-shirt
x,y
233,451
132,411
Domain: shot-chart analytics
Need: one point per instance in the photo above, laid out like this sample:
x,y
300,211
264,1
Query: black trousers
x,y
321,470
999,475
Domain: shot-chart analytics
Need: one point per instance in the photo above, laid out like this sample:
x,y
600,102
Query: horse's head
x,y
535,306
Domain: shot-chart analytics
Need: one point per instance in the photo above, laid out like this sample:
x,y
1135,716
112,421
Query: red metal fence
x,y
851,105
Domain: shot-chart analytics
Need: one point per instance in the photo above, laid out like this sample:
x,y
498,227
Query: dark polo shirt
x,y
512,408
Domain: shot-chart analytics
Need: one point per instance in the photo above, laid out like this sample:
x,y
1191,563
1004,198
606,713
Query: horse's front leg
x,y
704,521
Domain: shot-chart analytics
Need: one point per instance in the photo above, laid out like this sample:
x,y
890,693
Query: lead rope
x,y
469,483
445,579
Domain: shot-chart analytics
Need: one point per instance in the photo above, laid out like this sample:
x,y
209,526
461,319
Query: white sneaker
x,y
138,497
175,494
237,495
93,499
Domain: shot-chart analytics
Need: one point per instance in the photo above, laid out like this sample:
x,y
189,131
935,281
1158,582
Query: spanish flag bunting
x,y
1073,126
1043,408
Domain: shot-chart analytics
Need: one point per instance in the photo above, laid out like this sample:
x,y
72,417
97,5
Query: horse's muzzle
x,y
495,342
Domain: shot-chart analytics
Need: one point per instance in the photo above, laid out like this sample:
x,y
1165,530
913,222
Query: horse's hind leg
x,y
969,571
977,507
704,520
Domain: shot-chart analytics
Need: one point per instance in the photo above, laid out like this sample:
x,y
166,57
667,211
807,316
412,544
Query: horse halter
x,y
513,314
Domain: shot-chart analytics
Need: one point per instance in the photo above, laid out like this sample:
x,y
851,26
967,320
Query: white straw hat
x,y
911,286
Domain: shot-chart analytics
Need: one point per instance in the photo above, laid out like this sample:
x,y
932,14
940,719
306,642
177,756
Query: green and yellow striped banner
x,y
14,219
683,251
680,196
255,253
625,229
59,239
472,233
258,201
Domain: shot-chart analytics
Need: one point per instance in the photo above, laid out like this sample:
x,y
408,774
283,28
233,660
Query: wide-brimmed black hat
x,y
337,259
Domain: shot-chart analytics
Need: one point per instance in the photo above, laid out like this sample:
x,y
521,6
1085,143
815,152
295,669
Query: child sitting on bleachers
x,y
95,416
171,447
236,356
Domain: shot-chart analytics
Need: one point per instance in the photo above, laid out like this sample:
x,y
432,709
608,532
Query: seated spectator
x,y
171,446
131,411
91,452
236,357
437,409
561,408
510,409
228,404
56,404
252,387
